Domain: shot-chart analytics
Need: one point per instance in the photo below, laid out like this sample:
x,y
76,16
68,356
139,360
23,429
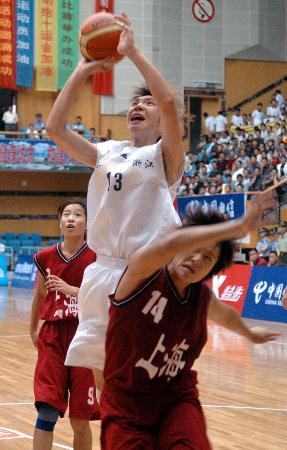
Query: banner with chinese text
x,y
233,205
264,296
25,42
46,45
103,81
39,155
7,45
231,285
68,30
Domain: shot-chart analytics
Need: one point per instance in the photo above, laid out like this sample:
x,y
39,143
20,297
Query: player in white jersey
x,y
131,192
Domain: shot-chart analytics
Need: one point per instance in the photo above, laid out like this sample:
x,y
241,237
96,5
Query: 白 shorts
x,y
100,279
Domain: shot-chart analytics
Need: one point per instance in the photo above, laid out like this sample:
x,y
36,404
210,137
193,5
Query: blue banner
x,y
24,42
3,270
264,296
233,205
25,272
38,154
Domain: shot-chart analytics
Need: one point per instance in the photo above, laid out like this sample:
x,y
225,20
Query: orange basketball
x,y
99,36
285,139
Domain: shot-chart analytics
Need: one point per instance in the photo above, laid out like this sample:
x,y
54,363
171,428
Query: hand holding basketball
x,y
126,42
99,36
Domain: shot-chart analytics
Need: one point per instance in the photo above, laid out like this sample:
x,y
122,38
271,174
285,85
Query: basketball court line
x,y
252,408
27,436
13,336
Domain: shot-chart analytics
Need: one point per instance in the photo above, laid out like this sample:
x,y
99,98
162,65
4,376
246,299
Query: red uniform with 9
x,y
150,399
55,383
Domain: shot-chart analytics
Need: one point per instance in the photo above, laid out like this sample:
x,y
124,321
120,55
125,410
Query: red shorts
x,y
60,385
159,421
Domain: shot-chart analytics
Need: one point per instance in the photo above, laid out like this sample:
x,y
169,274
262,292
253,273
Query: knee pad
x,y
47,417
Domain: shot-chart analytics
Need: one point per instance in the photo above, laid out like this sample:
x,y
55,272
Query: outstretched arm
x,y
227,317
68,140
171,132
149,259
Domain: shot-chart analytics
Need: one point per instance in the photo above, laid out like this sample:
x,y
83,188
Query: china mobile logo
x,y
258,289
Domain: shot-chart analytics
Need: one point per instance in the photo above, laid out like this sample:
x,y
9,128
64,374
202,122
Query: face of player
x,y
143,118
73,221
188,268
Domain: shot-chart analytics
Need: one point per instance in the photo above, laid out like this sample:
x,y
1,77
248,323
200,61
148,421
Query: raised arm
x,y
149,259
171,132
227,317
56,126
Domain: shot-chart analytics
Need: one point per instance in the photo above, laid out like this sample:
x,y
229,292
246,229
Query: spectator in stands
x,y
203,173
271,179
255,259
221,163
279,98
258,115
10,119
256,181
282,243
220,122
239,188
39,123
237,119
282,166
246,180
31,132
226,188
92,135
78,126
2,124
273,112
264,246
243,157
237,169
273,259
209,123
230,161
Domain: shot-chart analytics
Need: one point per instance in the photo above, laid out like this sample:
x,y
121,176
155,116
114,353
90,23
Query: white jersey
x,y
129,201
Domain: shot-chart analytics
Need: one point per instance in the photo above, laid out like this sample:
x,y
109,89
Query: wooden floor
x,y
243,387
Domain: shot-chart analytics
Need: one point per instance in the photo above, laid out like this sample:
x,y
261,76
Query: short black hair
x,y
208,216
73,201
140,91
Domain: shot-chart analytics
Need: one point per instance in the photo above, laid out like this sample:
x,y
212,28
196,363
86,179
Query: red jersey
x,y
154,336
51,261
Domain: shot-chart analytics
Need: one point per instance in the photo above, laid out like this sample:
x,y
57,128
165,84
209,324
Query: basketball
x,y
99,37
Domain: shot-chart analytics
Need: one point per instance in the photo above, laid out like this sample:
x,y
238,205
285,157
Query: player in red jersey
x,y
61,268
158,327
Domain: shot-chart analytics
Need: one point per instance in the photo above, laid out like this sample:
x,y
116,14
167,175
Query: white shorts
x,y
100,279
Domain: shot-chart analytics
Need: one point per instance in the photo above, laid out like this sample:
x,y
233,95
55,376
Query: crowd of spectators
x,y
246,154
36,130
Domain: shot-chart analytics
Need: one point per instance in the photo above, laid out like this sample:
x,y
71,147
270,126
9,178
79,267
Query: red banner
x,y
7,44
103,81
231,285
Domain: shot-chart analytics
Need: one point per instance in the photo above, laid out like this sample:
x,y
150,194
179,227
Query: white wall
x,y
187,51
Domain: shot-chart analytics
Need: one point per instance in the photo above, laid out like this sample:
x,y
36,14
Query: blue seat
x,y
2,136
10,236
